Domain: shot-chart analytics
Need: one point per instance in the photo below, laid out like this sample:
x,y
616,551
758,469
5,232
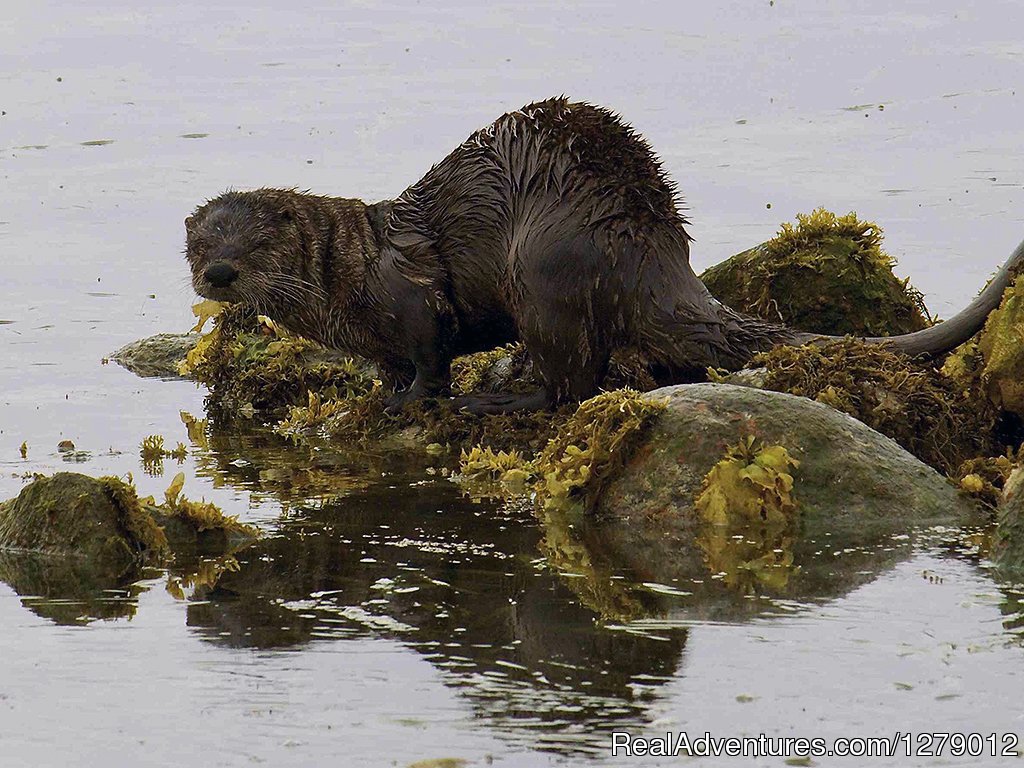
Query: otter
x,y
555,226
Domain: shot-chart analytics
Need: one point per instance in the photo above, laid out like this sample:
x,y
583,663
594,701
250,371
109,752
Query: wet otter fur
x,y
555,226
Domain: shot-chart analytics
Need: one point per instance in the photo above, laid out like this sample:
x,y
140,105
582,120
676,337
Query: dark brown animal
x,y
555,226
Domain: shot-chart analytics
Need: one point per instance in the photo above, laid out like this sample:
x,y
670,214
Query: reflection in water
x,y
69,590
556,627
461,582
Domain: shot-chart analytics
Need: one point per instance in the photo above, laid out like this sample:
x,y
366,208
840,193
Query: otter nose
x,y
220,274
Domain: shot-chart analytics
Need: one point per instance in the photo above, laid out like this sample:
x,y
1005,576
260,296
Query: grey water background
x,y
118,118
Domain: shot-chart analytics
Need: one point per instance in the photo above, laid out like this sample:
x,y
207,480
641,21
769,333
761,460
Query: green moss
x,y
916,405
828,274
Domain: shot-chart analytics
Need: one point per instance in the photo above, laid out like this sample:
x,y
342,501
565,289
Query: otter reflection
x,y
531,618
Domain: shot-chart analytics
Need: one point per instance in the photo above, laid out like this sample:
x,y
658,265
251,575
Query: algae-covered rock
x,y
918,406
993,361
157,356
827,274
848,473
74,545
70,514
253,366
738,492
104,522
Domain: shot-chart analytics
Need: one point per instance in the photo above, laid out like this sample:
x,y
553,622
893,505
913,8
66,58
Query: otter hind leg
x,y
568,335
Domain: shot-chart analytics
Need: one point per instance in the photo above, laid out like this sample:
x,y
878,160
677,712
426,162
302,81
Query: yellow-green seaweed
x,y
595,441
752,483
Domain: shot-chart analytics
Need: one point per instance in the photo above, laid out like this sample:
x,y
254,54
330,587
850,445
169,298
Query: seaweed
x,y
751,484
202,515
985,477
153,453
252,366
749,517
593,443
141,530
913,403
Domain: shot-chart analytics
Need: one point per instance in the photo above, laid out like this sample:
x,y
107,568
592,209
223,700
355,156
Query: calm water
x,y
387,618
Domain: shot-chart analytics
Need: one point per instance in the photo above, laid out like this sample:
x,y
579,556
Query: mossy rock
x,y
74,546
1008,549
993,361
827,274
72,515
253,367
103,522
831,502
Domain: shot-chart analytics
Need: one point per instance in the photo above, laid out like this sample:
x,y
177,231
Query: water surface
x,y
387,617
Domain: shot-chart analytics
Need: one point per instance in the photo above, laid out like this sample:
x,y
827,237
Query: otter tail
x,y
951,333
687,335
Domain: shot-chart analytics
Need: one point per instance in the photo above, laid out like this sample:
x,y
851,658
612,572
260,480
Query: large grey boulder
x,y
862,504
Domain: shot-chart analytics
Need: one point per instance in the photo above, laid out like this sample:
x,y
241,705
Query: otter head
x,y
247,247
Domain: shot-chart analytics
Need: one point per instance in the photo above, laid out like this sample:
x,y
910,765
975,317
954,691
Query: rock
x,y
157,356
70,514
848,474
828,274
993,361
861,501
69,542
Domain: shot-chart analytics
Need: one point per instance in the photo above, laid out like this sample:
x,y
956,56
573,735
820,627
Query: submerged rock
x,y
827,274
